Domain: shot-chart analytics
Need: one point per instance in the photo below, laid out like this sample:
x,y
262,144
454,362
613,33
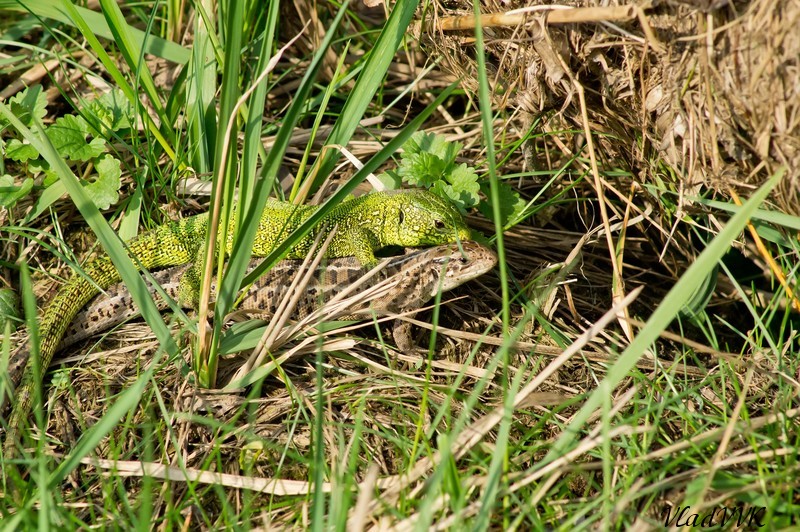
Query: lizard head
x,y
463,263
426,219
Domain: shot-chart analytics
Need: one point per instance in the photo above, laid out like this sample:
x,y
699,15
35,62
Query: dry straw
x,y
712,88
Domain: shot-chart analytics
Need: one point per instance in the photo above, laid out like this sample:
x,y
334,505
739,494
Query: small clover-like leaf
x,y
421,169
104,190
10,192
68,135
445,149
429,160
438,145
19,151
50,176
99,119
418,143
37,166
464,181
511,204
445,190
28,104
111,110
463,198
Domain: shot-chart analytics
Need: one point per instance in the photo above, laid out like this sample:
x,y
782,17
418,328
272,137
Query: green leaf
x,y
463,189
104,190
11,193
446,190
19,151
416,143
68,135
29,104
37,166
465,181
511,204
421,169
112,110
50,177
422,142
445,149
428,160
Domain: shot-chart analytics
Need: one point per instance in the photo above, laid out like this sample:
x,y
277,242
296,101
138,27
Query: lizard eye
x,y
438,224
401,217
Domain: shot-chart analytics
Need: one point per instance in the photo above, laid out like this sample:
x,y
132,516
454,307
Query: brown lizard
x,y
414,279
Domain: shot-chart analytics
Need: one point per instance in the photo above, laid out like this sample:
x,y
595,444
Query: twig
x,y
553,16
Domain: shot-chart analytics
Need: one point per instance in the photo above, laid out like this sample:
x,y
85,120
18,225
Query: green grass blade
x,y
347,188
369,81
52,9
252,145
323,106
131,49
225,172
29,303
223,187
499,463
116,251
118,77
663,315
487,121
201,86
782,219
249,217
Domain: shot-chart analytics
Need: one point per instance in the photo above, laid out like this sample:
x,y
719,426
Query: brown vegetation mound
x,y
711,87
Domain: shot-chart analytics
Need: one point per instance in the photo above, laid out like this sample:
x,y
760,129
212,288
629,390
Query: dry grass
x,y
709,88
682,98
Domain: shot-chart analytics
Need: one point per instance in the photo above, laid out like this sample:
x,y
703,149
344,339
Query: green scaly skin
x,y
411,218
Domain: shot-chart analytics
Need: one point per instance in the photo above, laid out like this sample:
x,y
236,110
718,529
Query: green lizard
x,y
411,280
412,218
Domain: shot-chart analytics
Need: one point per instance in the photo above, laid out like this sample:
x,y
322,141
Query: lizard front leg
x,y
189,287
401,332
360,243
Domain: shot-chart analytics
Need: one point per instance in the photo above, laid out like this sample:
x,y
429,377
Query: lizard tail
x,y
174,243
